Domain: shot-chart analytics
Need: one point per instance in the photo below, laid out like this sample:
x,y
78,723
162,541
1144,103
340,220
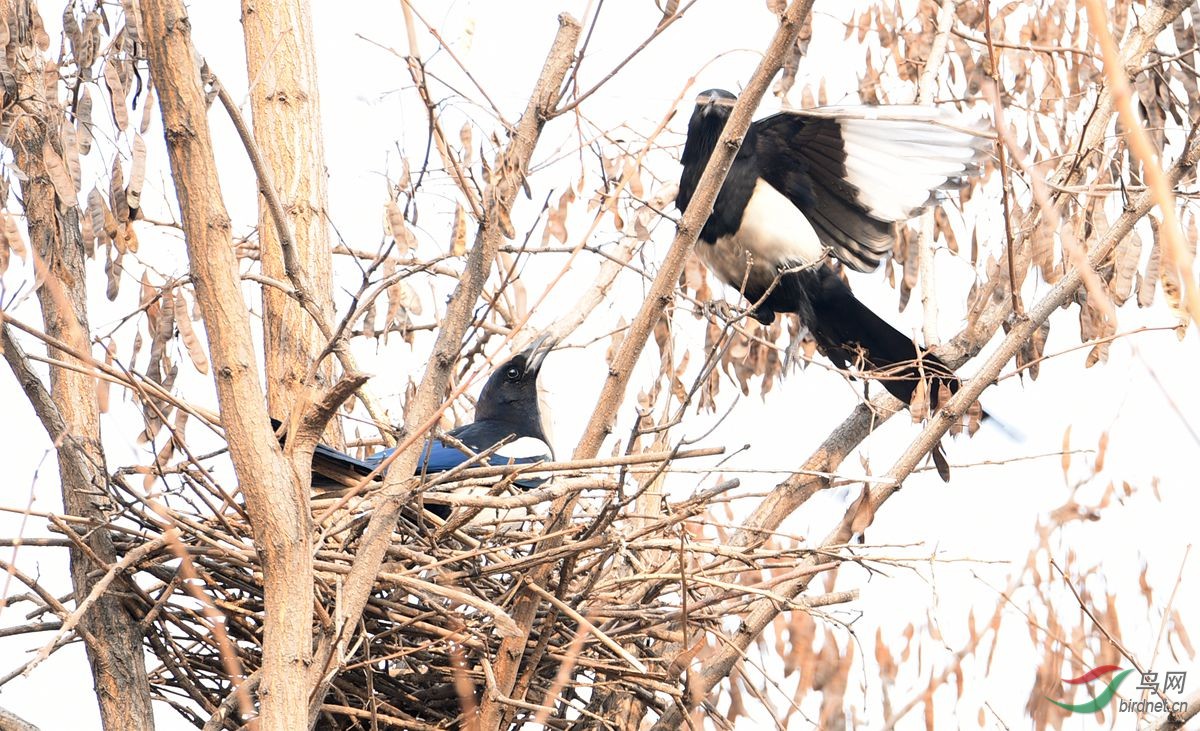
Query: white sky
x,y
985,513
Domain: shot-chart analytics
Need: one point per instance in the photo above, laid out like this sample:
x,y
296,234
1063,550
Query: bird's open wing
x,y
854,171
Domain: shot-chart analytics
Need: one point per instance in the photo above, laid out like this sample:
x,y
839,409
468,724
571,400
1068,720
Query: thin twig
x,y
1005,184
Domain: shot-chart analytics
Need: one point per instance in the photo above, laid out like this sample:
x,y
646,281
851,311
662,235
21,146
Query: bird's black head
x,y
704,130
714,103
708,120
511,393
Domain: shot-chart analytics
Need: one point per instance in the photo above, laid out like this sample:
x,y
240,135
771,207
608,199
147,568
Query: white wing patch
x,y
897,157
772,231
524,448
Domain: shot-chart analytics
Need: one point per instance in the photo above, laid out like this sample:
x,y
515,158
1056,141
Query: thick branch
x,y
12,722
281,342
281,64
71,416
281,522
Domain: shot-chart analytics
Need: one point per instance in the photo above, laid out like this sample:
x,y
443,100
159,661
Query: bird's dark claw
x,y
719,309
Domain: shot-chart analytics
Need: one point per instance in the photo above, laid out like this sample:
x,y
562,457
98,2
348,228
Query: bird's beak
x,y
537,352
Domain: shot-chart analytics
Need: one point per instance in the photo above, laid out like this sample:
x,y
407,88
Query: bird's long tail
x,y
850,334
334,469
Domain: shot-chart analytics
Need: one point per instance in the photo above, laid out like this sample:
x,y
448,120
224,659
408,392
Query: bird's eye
x,y
513,373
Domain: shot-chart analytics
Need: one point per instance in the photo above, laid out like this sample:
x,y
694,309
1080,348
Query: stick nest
x,y
616,618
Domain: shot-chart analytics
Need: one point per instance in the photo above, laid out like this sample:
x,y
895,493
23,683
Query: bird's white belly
x,y
773,234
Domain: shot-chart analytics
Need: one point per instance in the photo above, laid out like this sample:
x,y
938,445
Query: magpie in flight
x,y
509,410
835,179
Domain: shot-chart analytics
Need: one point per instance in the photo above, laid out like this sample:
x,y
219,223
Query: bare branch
x,y
281,522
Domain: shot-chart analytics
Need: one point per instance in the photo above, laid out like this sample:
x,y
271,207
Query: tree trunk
x,y
282,68
114,642
278,506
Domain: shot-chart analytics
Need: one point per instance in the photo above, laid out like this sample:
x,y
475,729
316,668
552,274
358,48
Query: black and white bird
x,y
827,180
511,411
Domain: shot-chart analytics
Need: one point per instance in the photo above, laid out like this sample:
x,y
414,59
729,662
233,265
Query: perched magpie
x,y
509,408
834,179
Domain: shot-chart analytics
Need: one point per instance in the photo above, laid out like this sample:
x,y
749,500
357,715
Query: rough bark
x,y
12,722
276,502
72,418
282,69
